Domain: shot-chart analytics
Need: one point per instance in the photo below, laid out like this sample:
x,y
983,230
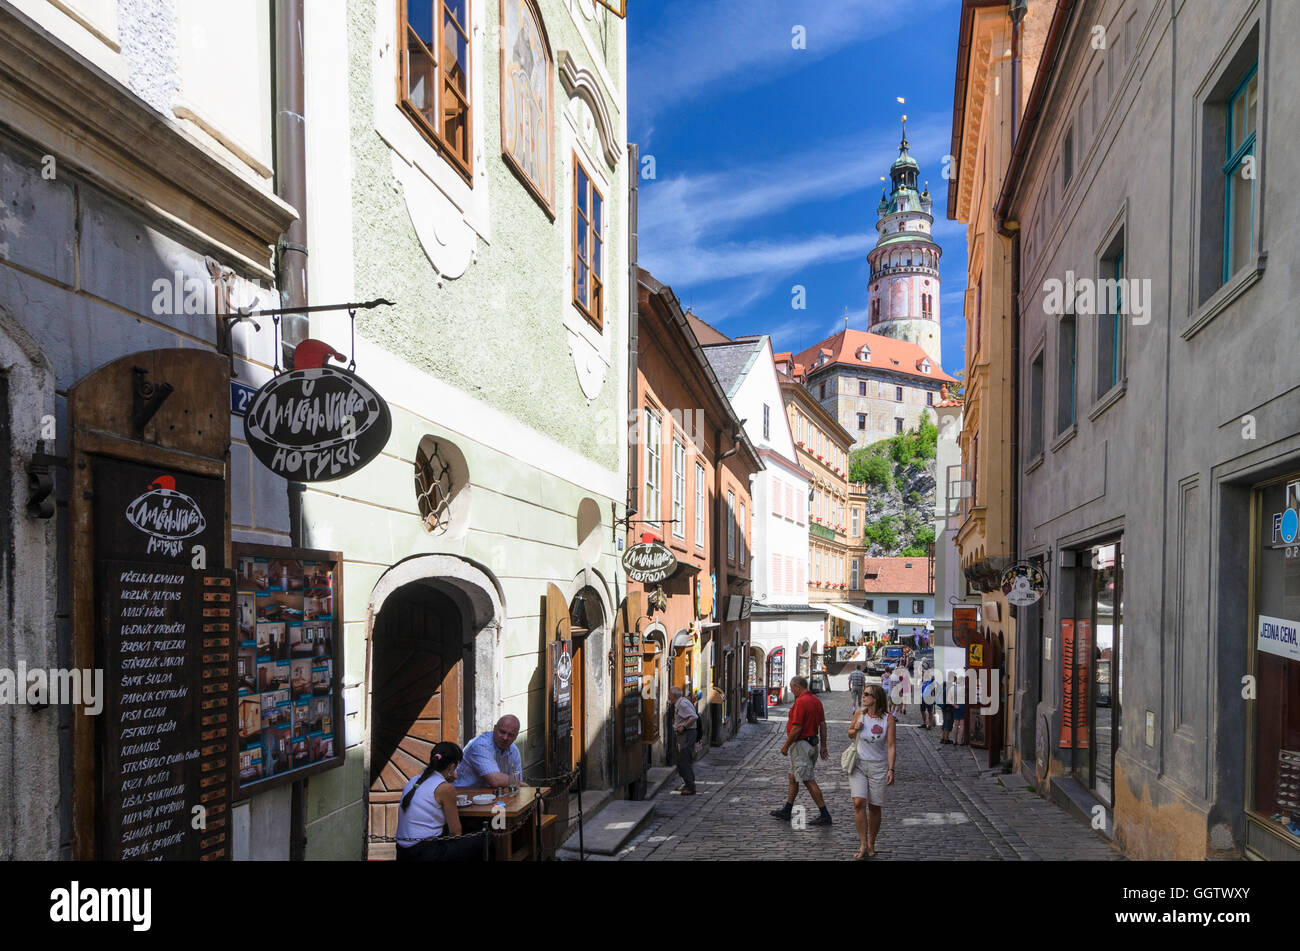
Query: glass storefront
x,y
1273,793
1098,636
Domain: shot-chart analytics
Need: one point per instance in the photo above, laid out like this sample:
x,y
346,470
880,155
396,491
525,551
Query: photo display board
x,y
631,687
288,668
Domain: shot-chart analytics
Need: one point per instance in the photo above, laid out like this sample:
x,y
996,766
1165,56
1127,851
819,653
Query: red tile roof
x,y
899,356
896,575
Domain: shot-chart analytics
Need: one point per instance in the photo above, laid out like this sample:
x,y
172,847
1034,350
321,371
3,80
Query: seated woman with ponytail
x,y
428,814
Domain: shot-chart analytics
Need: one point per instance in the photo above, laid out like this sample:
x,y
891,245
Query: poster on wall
x,y
1067,684
144,513
288,667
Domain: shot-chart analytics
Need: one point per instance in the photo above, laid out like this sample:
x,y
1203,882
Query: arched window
x,y
527,105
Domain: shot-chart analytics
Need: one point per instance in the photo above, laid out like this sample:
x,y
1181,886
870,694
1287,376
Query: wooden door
x,y
416,701
579,735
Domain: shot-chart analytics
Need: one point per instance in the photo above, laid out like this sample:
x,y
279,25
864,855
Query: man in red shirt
x,y
805,730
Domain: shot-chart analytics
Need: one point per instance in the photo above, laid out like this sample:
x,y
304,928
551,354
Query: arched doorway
x,y
586,623
417,693
431,675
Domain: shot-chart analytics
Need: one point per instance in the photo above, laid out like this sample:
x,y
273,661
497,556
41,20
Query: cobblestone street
x,y
942,805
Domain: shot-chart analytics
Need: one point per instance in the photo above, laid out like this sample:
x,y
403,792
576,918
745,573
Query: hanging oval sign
x,y
649,563
1023,585
317,424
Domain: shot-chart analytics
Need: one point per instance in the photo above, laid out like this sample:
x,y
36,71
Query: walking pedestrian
x,y
804,731
875,732
686,724
959,737
899,684
857,680
946,708
927,699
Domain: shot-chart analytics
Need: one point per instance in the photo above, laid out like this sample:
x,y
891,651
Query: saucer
x,y
462,800
483,799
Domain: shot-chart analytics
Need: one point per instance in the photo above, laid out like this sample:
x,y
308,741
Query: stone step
x,y
607,832
656,778
593,800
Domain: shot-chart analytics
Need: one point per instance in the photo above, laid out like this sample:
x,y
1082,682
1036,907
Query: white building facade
x,y
784,628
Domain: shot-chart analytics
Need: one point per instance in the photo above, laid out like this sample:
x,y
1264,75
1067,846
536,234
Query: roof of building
x,y
731,361
898,356
705,333
896,575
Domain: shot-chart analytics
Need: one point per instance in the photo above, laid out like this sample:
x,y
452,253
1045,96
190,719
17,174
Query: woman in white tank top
x,y
873,727
428,810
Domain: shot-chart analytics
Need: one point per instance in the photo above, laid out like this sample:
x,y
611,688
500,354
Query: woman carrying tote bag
x,y
873,728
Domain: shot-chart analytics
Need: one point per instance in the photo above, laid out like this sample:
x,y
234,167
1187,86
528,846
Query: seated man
x,y
491,758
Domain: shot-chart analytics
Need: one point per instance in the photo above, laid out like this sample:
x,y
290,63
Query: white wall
x,y
780,495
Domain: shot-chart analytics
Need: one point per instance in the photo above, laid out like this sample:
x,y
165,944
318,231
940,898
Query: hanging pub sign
x,y
649,563
1023,585
316,423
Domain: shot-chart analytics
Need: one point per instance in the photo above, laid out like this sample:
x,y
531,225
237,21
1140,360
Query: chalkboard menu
x,y
165,777
288,664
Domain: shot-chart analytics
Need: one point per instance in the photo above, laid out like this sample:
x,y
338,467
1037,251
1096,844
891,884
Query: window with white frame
x,y
731,524
744,524
653,467
699,505
679,488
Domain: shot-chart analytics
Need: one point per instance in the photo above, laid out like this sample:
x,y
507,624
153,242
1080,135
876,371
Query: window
x,y
862,421
892,606
871,604
1110,319
434,83
862,387
918,607
1036,406
821,391
588,246
699,505
975,470
731,525
767,421
1238,175
1067,160
853,574
929,398
898,393
526,100
1066,344
679,488
855,523
898,425
743,535
653,503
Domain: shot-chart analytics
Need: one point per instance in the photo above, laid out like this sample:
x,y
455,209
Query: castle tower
x,y
903,295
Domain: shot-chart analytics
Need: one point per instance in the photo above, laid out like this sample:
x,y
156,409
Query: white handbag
x,y
849,758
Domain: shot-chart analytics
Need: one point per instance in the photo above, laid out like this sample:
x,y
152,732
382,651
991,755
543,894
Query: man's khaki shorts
x,y
803,759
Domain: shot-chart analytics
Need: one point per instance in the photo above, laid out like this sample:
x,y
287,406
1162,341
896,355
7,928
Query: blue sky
x,y
768,159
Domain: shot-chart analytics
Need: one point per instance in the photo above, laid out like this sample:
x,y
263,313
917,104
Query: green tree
x,y
882,533
866,466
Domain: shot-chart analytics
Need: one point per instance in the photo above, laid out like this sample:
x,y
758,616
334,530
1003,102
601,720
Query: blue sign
x,y
240,397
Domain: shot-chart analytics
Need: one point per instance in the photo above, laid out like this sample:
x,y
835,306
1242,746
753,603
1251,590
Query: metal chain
x,y
276,369
352,364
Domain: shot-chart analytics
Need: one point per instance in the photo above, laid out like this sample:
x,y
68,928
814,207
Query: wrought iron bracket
x,y
146,399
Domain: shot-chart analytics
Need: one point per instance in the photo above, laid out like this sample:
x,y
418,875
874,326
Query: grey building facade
x,y
1159,422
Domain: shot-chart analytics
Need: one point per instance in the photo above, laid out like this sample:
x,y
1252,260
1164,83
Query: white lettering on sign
x,y
1279,636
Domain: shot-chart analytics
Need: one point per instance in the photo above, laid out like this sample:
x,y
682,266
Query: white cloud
x,y
698,49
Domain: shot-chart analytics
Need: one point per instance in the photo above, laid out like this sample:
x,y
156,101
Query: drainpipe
x,y
291,268
633,415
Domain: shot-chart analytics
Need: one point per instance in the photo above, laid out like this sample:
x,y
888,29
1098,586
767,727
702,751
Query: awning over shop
x,y
858,616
